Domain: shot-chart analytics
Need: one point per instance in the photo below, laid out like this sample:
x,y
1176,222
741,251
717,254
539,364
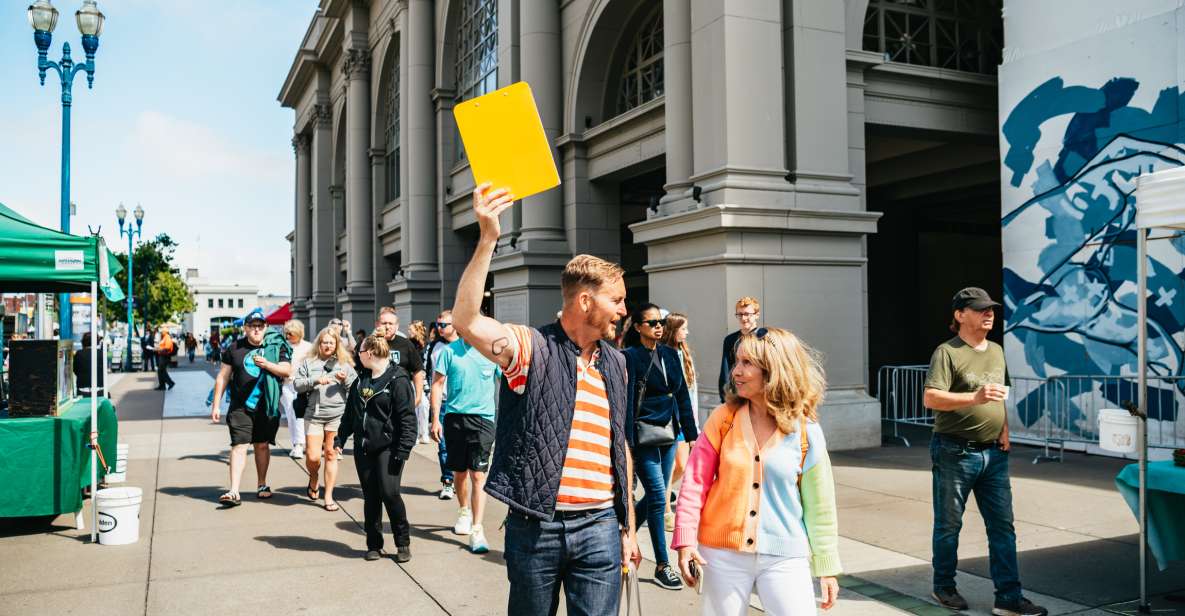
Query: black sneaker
x,y
1023,607
373,555
665,576
949,598
403,554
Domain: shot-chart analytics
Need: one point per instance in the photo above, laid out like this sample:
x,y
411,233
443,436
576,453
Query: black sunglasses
x,y
443,324
655,322
760,333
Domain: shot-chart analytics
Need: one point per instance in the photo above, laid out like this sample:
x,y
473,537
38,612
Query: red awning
x,y
282,315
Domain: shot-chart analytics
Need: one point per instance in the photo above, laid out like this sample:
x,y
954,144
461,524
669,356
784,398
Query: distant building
x,y
220,303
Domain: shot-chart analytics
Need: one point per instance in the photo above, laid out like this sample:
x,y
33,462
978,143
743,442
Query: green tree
x,y
160,293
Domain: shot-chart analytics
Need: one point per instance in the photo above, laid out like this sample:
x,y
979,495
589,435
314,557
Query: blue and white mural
x,y
1079,122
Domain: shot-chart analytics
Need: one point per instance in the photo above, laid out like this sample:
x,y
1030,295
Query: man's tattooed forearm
x,y
498,346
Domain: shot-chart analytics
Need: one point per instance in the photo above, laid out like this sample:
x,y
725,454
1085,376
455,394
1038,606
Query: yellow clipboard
x,y
505,142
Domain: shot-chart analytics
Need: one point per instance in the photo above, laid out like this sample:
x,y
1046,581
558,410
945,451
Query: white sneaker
x,y
448,492
296,453
477,540
464,523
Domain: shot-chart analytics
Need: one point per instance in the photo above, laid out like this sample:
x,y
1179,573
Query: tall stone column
x,y
358,306
526,279
790,240
324,229
383,272
676,59
417,293
302,267
816,105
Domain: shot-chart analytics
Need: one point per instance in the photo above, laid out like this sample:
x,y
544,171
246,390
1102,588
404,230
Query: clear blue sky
x,y
183,119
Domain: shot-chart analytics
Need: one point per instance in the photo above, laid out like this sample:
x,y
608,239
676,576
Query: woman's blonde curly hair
x,y
794,378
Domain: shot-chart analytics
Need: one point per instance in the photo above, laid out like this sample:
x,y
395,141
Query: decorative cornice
x,y
300,143
357,63
336,190
323,114
438,94
377,156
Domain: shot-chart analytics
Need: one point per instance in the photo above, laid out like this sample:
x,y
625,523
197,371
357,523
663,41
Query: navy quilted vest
x,y
533,428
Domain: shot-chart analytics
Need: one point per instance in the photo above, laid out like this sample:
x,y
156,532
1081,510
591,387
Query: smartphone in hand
x,y
697,575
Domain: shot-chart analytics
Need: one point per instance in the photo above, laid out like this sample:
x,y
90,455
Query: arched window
x,y
964,35
641,76
477,52
392,131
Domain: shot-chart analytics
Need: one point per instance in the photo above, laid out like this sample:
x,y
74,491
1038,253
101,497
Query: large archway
x,y
616,104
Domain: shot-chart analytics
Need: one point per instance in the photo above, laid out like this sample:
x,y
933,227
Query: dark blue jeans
x,y
582,553
446,476
958,472
653,466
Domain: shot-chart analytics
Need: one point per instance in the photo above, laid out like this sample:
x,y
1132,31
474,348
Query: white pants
x,y
422,417
295,426
783,583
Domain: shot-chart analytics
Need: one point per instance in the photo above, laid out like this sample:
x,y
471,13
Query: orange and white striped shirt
x,y
587,478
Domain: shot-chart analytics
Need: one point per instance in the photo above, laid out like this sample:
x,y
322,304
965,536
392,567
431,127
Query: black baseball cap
x,y
974,298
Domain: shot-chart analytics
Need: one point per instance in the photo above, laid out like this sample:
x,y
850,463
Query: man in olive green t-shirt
x,y
966,387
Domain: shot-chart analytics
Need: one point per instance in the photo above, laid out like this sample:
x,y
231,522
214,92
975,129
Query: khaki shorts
x,y
318,427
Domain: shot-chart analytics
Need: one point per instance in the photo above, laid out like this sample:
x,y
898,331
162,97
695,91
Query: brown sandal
x,y
331,506
312,492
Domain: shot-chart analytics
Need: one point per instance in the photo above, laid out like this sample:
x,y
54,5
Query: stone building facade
x,y
715,148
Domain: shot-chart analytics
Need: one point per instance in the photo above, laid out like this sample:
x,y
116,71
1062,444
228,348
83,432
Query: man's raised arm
x,y
483,333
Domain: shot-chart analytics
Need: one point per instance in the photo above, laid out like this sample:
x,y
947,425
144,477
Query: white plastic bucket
x,y
120,473
1117,431
119,515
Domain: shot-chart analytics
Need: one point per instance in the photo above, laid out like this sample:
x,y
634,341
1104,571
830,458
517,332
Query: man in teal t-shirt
x,y
468,429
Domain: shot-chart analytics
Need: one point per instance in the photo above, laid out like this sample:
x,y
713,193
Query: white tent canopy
x,y
1160,204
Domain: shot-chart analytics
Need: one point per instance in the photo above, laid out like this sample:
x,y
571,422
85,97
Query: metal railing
x,y
1050,412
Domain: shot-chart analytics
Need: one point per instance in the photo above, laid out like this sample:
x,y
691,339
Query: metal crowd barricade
x,y
1049,412
900,389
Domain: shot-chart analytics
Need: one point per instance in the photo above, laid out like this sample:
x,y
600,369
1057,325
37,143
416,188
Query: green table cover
x,y
1166,507
45,463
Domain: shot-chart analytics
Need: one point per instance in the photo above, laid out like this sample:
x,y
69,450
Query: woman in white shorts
x,y
327,376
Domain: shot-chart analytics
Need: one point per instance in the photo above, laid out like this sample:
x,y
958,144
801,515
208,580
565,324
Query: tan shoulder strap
x,y
805,446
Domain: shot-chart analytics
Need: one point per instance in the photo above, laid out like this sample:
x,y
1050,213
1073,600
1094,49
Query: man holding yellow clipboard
x,y
561,462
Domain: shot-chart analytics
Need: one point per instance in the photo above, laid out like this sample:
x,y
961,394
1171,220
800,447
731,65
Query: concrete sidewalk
x,y
290,555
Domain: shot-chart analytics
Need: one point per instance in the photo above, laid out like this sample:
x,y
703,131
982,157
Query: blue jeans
x,y
583,553
653,466
958,472
446,476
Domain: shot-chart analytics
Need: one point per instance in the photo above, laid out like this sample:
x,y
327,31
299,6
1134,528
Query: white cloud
x,y
180,150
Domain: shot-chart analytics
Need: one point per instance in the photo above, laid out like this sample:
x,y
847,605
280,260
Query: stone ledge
x,y
723,218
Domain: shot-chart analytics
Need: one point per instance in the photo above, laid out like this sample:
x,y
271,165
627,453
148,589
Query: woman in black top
x,y
380,415
665,404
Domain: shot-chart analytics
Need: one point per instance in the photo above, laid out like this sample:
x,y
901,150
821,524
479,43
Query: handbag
x,y
647,434
300,404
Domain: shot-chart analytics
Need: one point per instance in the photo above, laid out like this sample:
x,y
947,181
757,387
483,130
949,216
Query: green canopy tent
x,y
35,259
38,259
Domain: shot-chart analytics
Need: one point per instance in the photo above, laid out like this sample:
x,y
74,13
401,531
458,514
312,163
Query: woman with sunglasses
x,y
659,409
325,376
757,506
380,415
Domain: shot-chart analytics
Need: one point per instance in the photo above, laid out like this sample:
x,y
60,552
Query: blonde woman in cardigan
x,y
757,507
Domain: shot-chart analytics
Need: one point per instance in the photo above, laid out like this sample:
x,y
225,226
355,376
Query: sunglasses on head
x,y
760,333
655,322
